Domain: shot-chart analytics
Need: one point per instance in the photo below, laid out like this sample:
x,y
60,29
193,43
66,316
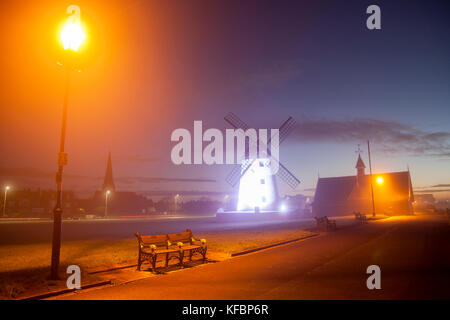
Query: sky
x,y
150,67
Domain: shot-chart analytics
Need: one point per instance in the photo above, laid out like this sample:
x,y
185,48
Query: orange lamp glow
x,y
380,180
72,34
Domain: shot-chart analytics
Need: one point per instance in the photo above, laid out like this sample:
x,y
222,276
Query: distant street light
x,y
4,201
106,202
380,180
72,37
176,201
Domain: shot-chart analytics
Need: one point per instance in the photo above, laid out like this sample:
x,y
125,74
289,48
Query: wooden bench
x,y
170,246
323,223
361,218
150,247
185,242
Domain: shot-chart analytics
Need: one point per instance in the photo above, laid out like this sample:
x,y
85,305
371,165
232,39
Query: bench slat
x,y
157,240
180,237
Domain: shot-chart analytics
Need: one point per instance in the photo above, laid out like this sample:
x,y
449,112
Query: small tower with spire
x,y
108,183
360,166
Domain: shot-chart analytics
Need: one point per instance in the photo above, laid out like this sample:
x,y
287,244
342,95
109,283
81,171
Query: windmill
x,y
258,188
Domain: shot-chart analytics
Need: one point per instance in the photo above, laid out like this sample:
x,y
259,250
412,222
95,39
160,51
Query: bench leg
x,y
154,263
167,260
181,255
330,226
204,255
139,264
190,255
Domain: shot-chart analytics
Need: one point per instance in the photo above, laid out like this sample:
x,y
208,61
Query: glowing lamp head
x,y
72,35
108,192
380,180
7,187
283,208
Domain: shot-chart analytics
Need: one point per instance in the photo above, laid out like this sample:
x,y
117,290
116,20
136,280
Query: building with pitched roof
x,y
341,196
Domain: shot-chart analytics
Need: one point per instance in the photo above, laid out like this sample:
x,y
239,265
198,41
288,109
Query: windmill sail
x,y
238,172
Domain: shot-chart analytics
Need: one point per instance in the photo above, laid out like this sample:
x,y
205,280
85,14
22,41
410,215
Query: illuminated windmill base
x,y
257,187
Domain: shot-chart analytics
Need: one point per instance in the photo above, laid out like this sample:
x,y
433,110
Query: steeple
x,y
360,166
108,183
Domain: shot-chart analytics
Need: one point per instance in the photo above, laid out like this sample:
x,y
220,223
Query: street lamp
x,y
176,201
106,202
380,180
4,201
72,34
371,182
72,37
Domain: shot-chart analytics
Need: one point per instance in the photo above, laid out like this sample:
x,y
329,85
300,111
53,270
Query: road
x,y
39,231
412,252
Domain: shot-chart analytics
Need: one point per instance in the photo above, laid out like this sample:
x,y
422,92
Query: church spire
x,y
108,183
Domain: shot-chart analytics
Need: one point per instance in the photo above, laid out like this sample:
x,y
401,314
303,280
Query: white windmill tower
x,y
257,185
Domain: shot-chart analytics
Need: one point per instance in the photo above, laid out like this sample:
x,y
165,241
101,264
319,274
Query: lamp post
x,y
4,201
176,201
371,179
106,202
72,36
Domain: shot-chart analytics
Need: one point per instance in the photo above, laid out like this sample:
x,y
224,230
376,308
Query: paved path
x,y
413,253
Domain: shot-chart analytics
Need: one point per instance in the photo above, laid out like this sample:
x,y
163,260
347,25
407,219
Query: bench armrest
x,y
179,244
202,241
151,247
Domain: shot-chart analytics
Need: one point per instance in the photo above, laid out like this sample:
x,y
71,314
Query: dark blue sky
x,y
165,64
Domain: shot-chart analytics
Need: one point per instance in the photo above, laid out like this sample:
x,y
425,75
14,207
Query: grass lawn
x,y
24,268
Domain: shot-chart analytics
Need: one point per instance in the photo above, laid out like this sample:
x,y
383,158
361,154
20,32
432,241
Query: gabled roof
x,y
334,189
338,189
